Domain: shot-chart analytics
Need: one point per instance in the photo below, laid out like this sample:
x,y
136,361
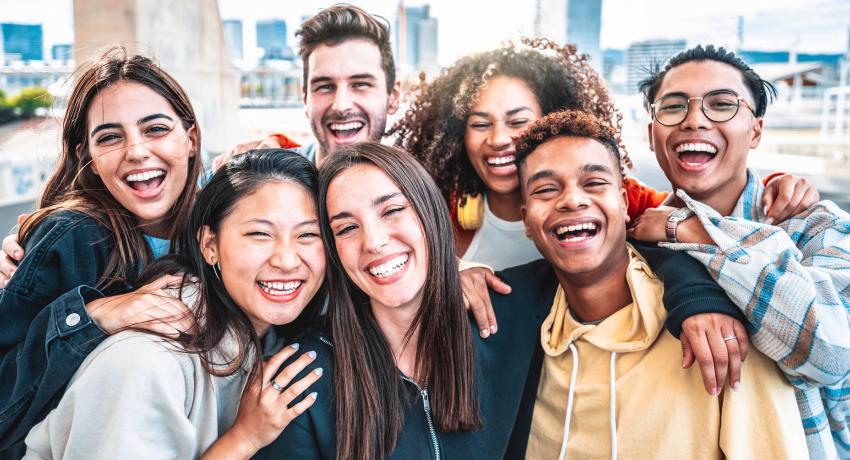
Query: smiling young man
x,y
349,83
791,280
611,384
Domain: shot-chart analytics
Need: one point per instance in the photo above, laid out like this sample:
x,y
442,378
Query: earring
x,y
217,271
470,216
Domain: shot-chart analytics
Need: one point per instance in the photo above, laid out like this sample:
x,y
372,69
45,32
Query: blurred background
x,y
238,61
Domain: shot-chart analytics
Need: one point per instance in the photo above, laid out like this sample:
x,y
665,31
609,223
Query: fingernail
x,y
319,371
313,395
493,329
713,392
295,346
193,279
736,386
769,221
12,273
311,354
485,333
18,254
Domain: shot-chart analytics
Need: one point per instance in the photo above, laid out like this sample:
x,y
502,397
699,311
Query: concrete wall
x,y
185,37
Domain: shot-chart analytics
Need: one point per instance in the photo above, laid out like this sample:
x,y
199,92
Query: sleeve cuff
x,y
707,298
72,322
466,265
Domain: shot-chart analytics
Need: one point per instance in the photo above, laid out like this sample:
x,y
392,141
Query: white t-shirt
x,y
500,243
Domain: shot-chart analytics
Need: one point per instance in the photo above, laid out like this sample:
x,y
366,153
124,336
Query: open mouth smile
x,y
147,183
695,156
280,290
503,165
576,233
346,130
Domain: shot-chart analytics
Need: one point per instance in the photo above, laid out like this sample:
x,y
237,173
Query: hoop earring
x,y
470,216
217,271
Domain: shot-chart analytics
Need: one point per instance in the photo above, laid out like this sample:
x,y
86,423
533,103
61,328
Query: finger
x,y
298,409
293,391
793,204
766,202
7,266
743,338
289,372
495,283
780,201
687,352
702,353
734,353
12,248
165,282
720,356
271,366
479,314
473,301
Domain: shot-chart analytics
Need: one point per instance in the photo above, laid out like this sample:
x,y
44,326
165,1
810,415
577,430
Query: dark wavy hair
x,y
368,388
215,312
433,128
762,90
75,186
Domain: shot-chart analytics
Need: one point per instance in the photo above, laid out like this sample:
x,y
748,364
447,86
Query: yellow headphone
x,y
470,215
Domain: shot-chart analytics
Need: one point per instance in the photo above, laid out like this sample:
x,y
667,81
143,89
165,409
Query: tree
x,y
31,99
7,113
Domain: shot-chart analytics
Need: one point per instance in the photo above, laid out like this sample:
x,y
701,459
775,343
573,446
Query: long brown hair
x,y
75,186
433,128
368,388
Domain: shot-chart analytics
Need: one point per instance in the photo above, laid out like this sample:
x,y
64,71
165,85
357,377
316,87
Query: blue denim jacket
x,y
45,331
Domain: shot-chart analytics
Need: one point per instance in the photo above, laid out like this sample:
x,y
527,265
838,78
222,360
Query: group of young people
x,y
307,302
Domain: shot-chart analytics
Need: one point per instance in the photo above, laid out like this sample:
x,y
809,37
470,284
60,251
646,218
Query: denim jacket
x,y
45,331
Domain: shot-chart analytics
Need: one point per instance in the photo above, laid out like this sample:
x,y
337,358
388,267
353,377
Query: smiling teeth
x,y
346,126
696,147
501,161
147,175
390,268
574,228
279,287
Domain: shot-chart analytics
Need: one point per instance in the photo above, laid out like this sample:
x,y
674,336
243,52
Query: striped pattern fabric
x,y
792,281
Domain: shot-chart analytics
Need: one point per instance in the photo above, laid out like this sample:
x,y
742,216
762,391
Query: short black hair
x,y
763,91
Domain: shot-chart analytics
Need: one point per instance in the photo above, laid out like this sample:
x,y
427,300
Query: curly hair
x,y
432,129
567,123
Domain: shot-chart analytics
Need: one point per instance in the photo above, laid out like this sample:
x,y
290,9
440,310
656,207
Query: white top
x,y
500,243
138,396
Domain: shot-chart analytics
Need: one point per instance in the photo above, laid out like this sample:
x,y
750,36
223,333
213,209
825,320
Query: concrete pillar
x,y
185,37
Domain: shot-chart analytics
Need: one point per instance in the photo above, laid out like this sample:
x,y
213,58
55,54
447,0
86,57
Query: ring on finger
x,y
277,386
730,337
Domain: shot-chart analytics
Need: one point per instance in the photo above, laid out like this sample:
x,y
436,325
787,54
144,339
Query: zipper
x,y
427,406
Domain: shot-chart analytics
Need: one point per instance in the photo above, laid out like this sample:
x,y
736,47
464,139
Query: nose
x,y
137,151
375,238
500,136
572,198
285,257
695,119
342,100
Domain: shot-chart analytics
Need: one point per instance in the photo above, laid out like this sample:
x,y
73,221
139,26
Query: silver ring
x,y
731,337
277,386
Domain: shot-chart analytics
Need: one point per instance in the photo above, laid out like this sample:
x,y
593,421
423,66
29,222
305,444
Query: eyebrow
x,y
141,121
593,168
683,94
359,76
508,113
376,202
539,175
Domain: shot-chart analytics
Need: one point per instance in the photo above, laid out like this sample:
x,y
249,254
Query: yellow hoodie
x,y
632,400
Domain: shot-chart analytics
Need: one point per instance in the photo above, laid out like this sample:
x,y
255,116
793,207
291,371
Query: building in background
x,y
61,52
644,55
271,37
22,42
584,21
233,36
415,39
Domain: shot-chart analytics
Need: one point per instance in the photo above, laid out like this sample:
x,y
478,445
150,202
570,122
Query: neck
x,y
596,296
505,206
320,154
394,323
724,200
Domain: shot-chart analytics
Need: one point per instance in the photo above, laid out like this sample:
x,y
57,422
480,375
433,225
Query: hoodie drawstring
x,y
571,395
613,407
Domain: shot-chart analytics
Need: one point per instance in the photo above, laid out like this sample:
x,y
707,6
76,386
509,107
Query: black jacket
x,y
45,331
508,370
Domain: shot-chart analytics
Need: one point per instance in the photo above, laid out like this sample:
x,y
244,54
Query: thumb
x,y
496,284
766,202
165,281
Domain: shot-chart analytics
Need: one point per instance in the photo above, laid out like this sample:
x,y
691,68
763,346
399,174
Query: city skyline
x,y
768,23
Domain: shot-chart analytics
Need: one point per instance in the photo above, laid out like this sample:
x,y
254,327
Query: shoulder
x,y
133,352
536,278
67,224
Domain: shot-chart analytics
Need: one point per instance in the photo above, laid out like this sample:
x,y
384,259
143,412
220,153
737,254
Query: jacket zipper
x,y
427,406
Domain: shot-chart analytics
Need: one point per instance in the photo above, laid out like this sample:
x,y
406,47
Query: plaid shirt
x,y
792,281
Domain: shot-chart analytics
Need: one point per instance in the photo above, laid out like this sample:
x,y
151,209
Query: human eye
x,y
344,230
479,125
394,210
324,88
107,138
596,183
257,234
310,234
362,85
518,123
158,130
544,190
672,105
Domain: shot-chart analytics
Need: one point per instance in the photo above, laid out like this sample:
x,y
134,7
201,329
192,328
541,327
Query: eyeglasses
x,y
718,106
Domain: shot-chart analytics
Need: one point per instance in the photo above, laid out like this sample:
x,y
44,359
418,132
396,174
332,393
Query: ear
x,y
79,152
758,126
649,136
394,99
207,241
193,140
524,211
624,195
